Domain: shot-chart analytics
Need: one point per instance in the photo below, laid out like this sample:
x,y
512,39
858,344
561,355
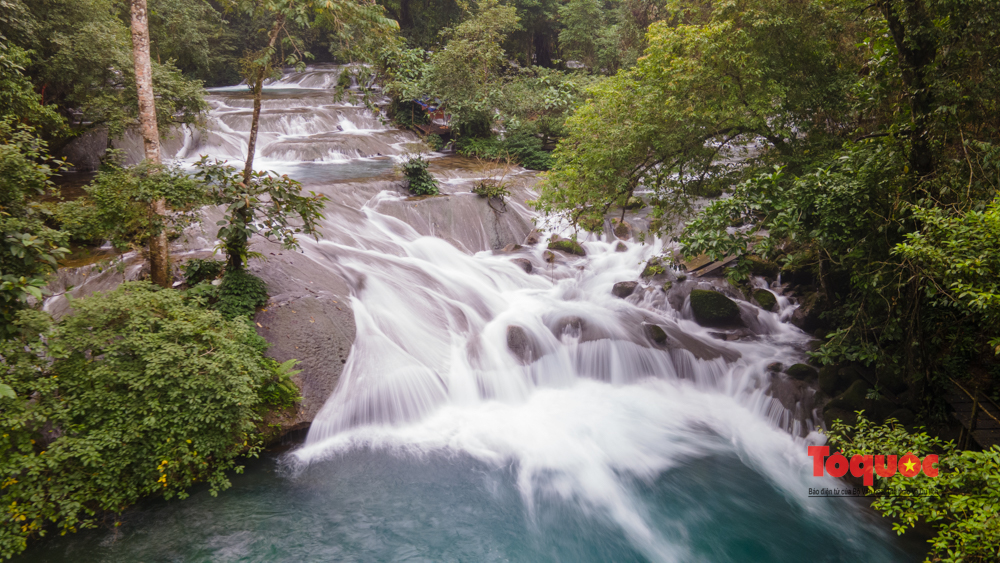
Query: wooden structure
x,y
979,415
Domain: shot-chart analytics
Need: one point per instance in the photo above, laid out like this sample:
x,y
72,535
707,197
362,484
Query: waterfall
x,y
487,413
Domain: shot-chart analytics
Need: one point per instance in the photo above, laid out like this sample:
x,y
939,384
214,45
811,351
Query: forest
x,y
850,148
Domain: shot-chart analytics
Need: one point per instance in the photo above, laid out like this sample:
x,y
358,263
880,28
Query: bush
x,y
419,180
522,148
961,502
435,142
138,393
240,294
197,270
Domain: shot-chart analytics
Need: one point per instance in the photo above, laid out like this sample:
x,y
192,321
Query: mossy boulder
x,y
635,203
621,247
853,399
763,268
801,371
568,246
667,285
765,299
624,289
653,268
656,334
714,309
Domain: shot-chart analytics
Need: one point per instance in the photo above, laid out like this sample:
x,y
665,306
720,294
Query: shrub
x,y
419,180
522,148
138,393
197,270
493,189
961,502
435,142
240,294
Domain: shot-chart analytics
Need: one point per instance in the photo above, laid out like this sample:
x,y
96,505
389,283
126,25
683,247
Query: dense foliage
x,y
961,501
138,392
29,248
118,205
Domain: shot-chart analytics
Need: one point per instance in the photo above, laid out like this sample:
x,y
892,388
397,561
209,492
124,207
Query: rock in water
x,y
765,299
624,289
521,345
524,264
656,334
623,230
568,246
712,308
533,238
620,247
801,371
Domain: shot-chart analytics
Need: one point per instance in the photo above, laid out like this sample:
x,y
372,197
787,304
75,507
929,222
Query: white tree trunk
x,y
158,251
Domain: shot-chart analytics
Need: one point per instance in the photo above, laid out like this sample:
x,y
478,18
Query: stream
x,y
485,413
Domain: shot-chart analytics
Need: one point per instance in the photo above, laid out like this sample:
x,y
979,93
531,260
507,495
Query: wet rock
x,y
524,264
765,299
667,285
714,309
319,333
549,256
653,268
775,367
532,238
624,289
623,230
807,316
801,371
620,247
521,345
656,334
568,246
512,248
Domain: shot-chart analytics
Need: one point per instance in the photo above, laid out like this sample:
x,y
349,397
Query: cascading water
x,y
489,414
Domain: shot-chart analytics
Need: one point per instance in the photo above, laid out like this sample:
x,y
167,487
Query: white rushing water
x,y
463,355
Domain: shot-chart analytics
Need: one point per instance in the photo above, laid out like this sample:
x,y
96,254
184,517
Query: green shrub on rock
x,y
419,180
568,246
139,392
712,308
240,294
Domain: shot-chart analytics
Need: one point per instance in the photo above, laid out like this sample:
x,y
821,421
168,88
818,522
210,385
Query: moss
x,y
667,285
853,399
653,268
568,246
761,267
801,371
656,334
765,299
635,203
712,308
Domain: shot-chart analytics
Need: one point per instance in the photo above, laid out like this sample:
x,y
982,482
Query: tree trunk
x,y
158,252
912,31
236,247
258,87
